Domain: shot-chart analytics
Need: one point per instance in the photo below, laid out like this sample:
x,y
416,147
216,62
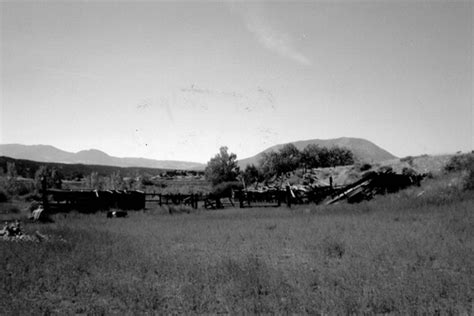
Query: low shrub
x,y
463,163
4,197
147,182
365,167
8,208
13,210
17,188
408,159
409,172
469,180
460,163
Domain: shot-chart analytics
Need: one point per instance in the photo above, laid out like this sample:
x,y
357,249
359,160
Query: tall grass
x,y
407,253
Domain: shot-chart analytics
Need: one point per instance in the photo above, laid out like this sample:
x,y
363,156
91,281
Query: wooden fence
x,y
93,200
191,200
273,198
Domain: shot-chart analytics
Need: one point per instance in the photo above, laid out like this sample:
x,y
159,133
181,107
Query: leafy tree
x,y
314,156
11,170
93,181
222,168
115,181
53,178
340,156
269,163
310,157
324,158
251,174
56,178
289,158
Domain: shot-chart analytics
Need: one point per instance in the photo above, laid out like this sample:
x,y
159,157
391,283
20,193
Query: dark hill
x,y
363,150
47,153
28,168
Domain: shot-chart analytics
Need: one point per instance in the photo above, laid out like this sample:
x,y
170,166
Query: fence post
x,y
288,196
44,190
160,199
279,197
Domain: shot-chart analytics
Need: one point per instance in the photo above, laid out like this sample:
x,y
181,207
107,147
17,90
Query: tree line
x,y
223,168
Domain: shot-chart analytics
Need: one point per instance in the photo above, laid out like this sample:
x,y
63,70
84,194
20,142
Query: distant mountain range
x,y
363,150
47,153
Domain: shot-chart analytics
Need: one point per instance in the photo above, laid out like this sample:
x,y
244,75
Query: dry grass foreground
x,y
407,253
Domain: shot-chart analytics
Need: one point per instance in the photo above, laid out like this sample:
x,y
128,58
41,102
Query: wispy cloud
x,y
271,38
249,100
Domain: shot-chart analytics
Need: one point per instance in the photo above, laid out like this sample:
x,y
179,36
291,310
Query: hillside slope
x,y
363,150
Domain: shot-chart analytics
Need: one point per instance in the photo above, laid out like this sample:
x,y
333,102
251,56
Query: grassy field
x,y
406,253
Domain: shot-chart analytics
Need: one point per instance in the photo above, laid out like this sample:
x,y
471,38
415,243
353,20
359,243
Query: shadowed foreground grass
x,y
401,254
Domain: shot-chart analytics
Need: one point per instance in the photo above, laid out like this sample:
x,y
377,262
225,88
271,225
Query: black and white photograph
x,y
237,157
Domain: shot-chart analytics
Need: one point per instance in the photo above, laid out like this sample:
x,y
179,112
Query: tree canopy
x,y
289,158
52,176
222,168
251,174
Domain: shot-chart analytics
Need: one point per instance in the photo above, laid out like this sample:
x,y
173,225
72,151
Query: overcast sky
x,y
176,80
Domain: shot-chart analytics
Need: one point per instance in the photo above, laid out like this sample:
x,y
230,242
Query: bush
x,y
463,162
4,197
21,188
9,208
365,167
409,172
251,174
14,187
469,180
147,182
13,210
222,168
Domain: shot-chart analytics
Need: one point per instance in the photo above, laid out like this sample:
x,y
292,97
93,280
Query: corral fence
x,y
215,201
93,200
57,200
191,200
271,198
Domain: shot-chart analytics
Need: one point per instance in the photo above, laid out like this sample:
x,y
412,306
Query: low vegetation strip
x,y
405,253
